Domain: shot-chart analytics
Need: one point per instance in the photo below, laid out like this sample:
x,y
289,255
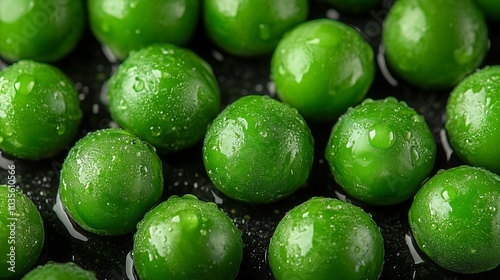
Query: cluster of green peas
x,y
257,150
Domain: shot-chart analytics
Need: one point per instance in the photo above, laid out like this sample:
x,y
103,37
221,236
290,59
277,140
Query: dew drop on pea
x,y
449,193
60,129
139,84
122,105
381,137
24,84
1,139
155,131
415,155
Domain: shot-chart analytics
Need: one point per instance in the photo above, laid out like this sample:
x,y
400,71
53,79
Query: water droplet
x,y
155,131
264,31
433,226
58,103
24,84
350,143
143,170
449,193
415,156
492,209
381,137
408,135
263,133
139,84
60,129
203,232
122,105
416,118
1,139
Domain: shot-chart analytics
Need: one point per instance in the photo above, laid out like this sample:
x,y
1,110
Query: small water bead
x,y
139,84
381,137
449,193
24,84
60,129
122,105
155,131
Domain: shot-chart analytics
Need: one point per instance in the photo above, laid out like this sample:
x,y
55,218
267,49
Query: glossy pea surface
x,y
59,271
21,227
127,25
251,27
42,30
473,119
166,95
322,67
354,6
454,219
185,238
258,150
39,110
381,151
325,238
109,180
434,44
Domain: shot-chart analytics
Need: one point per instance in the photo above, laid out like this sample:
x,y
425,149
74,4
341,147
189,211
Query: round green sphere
x,y
251,27
42,30
454,219
325,238
59,271
39,110
109,180
473,119
322,67
381,151
258,150
166,95
434,44
21,231
185,238
127,25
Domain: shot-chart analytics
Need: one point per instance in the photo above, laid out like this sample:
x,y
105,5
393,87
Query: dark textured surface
x,y
184,172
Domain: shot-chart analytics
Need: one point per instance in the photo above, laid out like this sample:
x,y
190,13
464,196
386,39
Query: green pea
x,y
434,44
109,180
322,67
185,238
454,219
166,95
251,27
325,238
21,232
39,110
59,271
258,150
381,151
42,30
473,119
127,25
